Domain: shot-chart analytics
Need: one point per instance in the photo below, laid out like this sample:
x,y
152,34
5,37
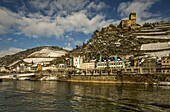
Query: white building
x,y
77,61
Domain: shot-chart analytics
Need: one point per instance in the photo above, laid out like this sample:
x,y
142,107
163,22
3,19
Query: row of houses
x,y
148,64
112,61
153,64
22,66
144,63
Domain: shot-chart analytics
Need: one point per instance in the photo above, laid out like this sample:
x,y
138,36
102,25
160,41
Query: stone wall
x,y
95,78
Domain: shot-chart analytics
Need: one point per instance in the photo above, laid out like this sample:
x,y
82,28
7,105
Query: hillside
x,y
47,52
152,39
38,52
112,40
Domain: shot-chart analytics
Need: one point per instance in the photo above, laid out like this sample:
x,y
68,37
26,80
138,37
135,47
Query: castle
x,y
131,23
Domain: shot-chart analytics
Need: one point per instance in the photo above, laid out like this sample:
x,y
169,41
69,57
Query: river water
x,y
52,96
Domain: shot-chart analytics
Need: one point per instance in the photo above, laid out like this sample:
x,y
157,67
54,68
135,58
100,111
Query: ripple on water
x,y
81,97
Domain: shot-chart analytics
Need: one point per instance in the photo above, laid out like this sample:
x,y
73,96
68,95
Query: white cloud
x,y
7,17
77,42
40,27
59,6
141,7
80,22
69,38
9,39
97,6
10,51
63,16
15,40
7,20
70,42
37,25
68,46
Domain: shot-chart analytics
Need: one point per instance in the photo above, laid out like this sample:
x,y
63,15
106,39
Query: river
x,y
52,96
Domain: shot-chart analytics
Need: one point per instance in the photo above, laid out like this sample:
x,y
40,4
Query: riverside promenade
x,y
103,75
112,75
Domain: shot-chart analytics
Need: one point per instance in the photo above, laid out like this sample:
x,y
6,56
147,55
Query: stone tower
x,y
132,18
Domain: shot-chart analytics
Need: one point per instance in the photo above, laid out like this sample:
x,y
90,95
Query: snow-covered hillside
x,y
48,53
38,60
44,55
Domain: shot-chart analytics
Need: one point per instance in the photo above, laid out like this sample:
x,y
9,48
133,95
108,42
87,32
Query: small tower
x,y
132,17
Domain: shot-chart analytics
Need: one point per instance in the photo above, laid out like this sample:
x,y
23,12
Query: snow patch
x,y
155,37
48,53
159,53
38,60
156,46
151,30
151,33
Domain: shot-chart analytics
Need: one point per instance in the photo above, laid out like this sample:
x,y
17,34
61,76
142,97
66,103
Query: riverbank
x,y
106,82
115,78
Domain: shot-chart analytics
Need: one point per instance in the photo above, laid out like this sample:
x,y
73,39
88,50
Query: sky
x,y
66,23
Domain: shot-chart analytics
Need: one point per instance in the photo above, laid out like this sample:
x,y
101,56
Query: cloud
x,y
141,7
40,27
76,22
68,46
8,19
71,42
10,51
37,25
80,22
9,39
97,6
56,7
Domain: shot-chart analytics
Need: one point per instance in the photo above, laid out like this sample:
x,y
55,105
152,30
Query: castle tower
x,y
132,17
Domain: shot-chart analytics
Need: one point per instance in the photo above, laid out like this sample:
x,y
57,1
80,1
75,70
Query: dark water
x,y
29,96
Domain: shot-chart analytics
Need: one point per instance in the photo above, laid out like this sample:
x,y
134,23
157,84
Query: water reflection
x,y
81,97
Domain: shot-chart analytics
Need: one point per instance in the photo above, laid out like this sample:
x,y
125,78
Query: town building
x,y
146,64
89,65
77,61
112,62
165,64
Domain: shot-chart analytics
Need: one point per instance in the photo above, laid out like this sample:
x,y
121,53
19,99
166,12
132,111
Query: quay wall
x,y
110,79
122,77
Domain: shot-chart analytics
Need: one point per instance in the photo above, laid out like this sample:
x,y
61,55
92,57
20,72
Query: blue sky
x,y
66,23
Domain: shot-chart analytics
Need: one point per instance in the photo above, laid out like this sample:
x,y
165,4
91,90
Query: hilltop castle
x,y
131,23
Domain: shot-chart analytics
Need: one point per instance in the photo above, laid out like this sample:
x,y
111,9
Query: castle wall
x,y
129,23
